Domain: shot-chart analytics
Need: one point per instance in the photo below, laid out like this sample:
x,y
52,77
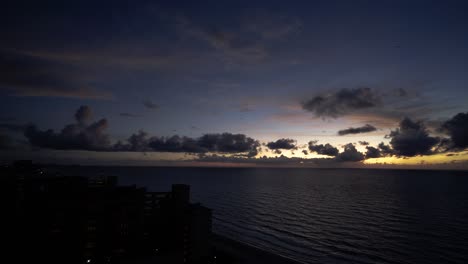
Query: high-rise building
x,y
71,219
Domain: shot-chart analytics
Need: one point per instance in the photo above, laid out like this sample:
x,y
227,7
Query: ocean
x,y
326,215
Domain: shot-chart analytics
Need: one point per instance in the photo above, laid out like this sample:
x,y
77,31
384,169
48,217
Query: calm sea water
x,y
327,215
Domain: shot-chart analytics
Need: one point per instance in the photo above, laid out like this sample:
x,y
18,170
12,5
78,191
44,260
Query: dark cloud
x,y
175,144
411,139
305,152
219,143
136,142
357,130
72,137
229,143
78,136
283,143
342,102
149,104
326,149
363,143
401,92
350,154
385,150
457,128
27,75
372,152
277,151
445,145
83,114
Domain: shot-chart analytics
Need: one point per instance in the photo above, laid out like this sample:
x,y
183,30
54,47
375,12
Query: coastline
x,y
234,252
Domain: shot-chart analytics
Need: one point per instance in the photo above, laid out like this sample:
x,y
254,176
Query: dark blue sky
x,y
249,67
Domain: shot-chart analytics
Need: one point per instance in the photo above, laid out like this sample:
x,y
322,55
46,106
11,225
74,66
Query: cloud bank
x,y
81,136
409,139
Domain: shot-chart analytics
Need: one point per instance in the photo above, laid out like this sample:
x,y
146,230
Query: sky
x,y
235,83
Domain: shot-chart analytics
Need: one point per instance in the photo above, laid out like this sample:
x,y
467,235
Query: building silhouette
x,y
72,219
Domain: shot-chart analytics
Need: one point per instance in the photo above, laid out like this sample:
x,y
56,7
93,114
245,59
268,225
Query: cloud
x,y
385,150
83,114
216,143
175,144
411,139
149,104
350,154
457,129
136,142
357,130
77,136
321,149
305,152
232,44
283,143
26,75
229,143
401,92
80,136
342,102
363,143
372,152
381,150
247,42
219,143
